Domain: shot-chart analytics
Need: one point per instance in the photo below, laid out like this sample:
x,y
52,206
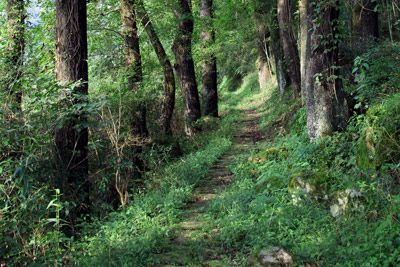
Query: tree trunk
x,y
290,52
133,63
15,51
282,75
71,138
365,20
305,25
209,67
326,106
184,66
169,77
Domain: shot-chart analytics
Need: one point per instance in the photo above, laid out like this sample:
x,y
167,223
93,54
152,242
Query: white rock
x,y
275,256
342,201
353,193
335,210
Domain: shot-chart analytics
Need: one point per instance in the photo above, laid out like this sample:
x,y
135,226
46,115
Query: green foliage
x,y
134,235
379,141
377,75
284,191
260,211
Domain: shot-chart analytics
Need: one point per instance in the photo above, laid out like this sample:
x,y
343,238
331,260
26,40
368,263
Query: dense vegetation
x,y
113,113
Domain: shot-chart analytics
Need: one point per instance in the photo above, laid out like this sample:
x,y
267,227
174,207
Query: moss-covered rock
x,y
308,184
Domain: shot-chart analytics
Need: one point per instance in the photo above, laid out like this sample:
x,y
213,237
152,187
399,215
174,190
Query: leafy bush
x,y
380,134
284,189
377,75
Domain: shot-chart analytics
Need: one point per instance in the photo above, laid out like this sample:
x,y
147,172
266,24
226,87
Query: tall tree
x,y
326,105
365,19
282,74
133,63
71,138
169,77
209,67
15,51
184,65
289,44
304,43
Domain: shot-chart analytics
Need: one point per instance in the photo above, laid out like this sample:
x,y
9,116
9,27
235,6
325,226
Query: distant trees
x,y
168,102
263,44
282,74
15,10
209,67
184,65
269,40
133,63
71,136
289,44
365,19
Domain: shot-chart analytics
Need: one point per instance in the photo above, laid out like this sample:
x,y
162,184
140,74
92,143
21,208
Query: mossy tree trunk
x,y
168,102
326,105
71,138
289,44
184,65
209,66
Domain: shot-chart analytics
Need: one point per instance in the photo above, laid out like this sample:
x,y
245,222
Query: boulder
x,y
342,200
274,257
308,185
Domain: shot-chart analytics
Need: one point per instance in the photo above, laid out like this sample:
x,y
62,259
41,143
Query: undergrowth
x,y
335,202
137,234
134,236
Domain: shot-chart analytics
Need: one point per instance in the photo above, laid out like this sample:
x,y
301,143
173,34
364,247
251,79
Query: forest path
x,y
192,244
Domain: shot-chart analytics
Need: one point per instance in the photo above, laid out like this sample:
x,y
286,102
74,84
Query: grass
x,y
265,206
284,192
136,235
133,236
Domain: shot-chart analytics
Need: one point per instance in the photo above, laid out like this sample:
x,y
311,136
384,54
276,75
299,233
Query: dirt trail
x,y
192,245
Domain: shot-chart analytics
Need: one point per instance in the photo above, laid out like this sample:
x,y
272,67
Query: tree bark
x,y
168,104
133,63
326,105
209,67
305,25
365,20
71,138
15,51
184,66
289,45
282,75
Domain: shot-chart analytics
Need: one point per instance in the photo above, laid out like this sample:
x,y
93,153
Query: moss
x,y
310,182
379,141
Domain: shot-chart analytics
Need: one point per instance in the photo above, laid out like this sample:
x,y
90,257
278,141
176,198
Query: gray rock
x,y
342,200
274,257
